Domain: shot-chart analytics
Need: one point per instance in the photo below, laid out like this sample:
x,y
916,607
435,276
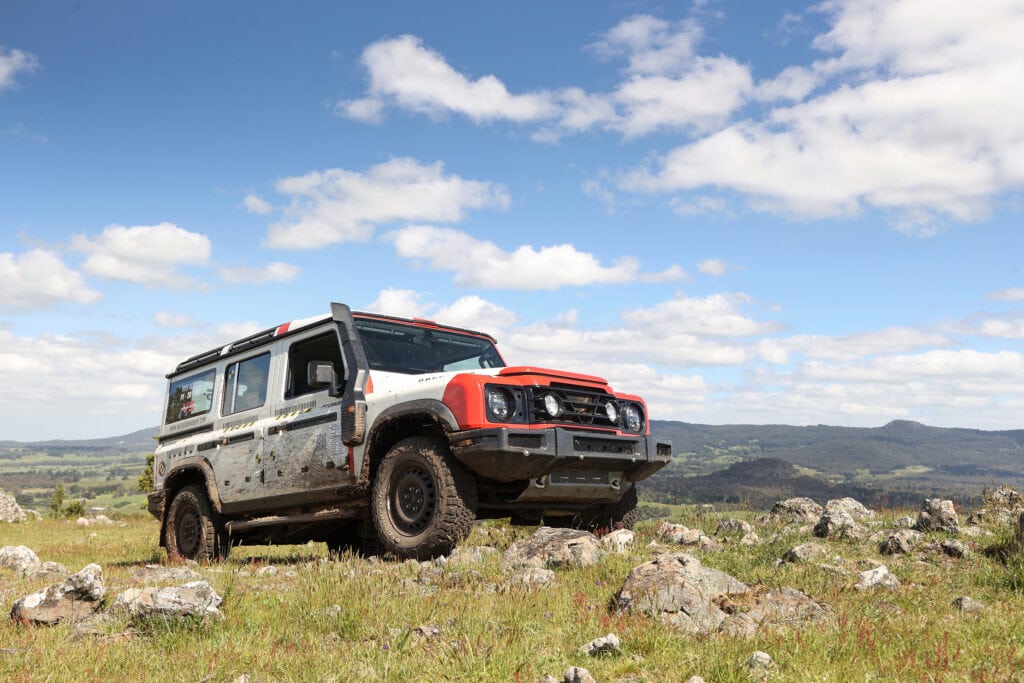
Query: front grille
x,y
579,406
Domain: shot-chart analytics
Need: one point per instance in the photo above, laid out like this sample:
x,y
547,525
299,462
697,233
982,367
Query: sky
x,y
759,213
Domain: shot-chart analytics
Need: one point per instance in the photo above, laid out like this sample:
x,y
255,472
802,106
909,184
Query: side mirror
x,y
320,374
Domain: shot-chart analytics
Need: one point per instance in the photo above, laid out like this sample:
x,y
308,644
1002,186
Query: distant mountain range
x,y
896,463
757,464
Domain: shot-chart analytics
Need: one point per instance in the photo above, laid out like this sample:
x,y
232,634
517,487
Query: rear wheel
x,y
193,530
423,501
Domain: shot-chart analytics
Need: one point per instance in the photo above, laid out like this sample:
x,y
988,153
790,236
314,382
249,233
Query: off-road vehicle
x,y
368,430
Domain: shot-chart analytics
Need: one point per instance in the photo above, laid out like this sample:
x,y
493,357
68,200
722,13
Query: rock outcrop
x,y
549,547
10,511
73,599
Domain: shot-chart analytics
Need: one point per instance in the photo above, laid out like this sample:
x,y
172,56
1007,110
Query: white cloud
x,y
12,63
144,254
891,340
717,315
256,205
1011,294
470,312
715,267
411,76
481,263
337,205
271,272
169,320
920,119
40,279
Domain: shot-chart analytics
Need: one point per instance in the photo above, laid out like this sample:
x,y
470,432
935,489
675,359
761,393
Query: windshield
x,y
413,350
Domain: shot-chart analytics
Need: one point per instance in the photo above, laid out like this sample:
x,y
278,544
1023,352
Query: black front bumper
x,y
155,503
505,454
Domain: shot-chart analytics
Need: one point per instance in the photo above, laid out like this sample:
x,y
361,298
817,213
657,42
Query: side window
x,y
323,347
190,396
245,384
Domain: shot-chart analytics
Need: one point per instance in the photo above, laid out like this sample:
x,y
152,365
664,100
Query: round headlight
x,y
552,406
612,411
633,417
498,404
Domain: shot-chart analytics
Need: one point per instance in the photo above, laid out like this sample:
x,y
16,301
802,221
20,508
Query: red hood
x,y
555,374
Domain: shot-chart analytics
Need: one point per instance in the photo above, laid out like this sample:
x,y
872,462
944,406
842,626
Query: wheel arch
x,y
198,472
425,417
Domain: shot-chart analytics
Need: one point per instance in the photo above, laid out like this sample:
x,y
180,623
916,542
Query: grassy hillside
x,y
311,619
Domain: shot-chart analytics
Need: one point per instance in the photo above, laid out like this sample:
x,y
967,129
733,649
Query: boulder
x,y
968,604
856,511
683,535
797,510
759,661
10,511
835,523
549,547
955,548
532,577
773,611
937,515
195,599
900,542
678,590
608,644
577,674
75,598
733,526
19,558
619,540
1001,506
879,577
805,552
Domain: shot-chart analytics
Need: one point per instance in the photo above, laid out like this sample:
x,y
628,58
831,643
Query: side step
x,y
304,518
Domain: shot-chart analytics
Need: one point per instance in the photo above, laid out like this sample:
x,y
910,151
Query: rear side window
x,y
245,384
323,347
190,396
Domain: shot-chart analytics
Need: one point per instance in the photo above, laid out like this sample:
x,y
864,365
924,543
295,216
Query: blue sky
x,y
781,212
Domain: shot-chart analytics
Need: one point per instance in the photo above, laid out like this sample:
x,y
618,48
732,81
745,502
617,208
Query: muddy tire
x,y
423,500
193,530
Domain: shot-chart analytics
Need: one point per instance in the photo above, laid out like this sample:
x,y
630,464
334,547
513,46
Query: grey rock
x,y
683,535
733,526
532,577
577,674
549,547
774,611
968,604
797,510
904,523
805,552
48,570
19,558
879,577
618,541
678,590
759,660
474,554
608,644
195,599
10,511
75,598
937,515
695,679
548,678
955,548
900,542
856,511
834,523
750,539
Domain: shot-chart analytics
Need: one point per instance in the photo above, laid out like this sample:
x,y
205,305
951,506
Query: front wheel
x,y
423,501
192,530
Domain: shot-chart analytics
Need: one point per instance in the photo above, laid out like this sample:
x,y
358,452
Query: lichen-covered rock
x,y
968,604
195,599
733,526
900,542
776,610
834,523
549,547
531,577
879,577
954,548
683,535
10,511
609,644
797,510
19,558
619,540
937,515
852,507
75,598
805,552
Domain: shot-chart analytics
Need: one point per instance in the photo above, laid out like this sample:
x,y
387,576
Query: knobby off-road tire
x,y
194,531
424,502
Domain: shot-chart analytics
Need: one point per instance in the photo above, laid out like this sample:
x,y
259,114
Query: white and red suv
x,y
360,429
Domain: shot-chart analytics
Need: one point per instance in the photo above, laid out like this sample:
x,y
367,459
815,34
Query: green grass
x,y
354,619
